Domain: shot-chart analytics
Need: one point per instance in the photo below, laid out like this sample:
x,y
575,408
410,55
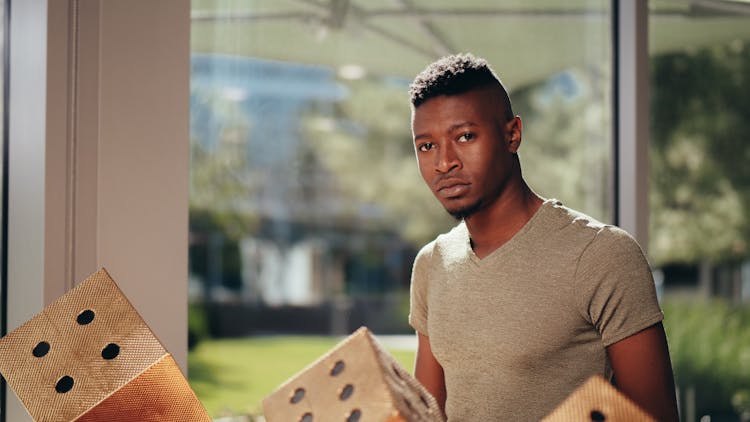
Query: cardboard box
x,y
356,381
597,400
89,356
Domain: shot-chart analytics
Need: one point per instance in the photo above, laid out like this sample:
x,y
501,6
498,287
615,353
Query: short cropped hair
x,y
453,75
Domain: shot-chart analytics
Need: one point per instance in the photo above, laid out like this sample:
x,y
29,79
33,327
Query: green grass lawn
x,y
232,376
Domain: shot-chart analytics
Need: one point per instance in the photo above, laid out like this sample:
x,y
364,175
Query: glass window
x,y
700,196
306,204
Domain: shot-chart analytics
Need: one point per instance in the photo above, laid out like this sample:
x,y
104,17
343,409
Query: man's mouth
x,y
452,188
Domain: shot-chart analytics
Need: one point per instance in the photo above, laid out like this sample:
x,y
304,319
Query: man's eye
x,y
465,137
425,147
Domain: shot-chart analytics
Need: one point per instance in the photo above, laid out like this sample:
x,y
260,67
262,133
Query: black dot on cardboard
x,y
41,349
111,351
298,395
307,417
85,317
354,416
346,392
64,384
597,416
338,368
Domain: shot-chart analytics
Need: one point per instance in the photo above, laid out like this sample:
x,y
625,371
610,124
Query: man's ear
x,y
513,130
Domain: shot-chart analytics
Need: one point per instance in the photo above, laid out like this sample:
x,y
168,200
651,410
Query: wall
x,y
99,152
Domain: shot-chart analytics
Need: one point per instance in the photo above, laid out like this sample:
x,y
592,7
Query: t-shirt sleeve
x,y
418,290
617,292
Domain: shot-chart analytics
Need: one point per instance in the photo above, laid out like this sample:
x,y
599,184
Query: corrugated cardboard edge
x,y
167,366
386,358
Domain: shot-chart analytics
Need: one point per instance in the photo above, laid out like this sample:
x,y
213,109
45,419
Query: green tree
x,y
566,151
365,142
221,180
700,146
221,183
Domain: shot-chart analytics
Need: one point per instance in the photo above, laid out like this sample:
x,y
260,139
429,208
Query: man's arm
x,y
428,371
643,372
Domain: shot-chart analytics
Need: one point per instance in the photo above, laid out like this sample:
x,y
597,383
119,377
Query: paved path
x,y
399,342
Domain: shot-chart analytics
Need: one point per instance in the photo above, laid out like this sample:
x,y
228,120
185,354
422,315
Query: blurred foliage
x,y
197,325
700,147
709,344
741,404
366,143
233,225
566,150
220,182
216,231
219,171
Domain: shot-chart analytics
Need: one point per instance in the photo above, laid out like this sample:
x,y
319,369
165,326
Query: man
x,y
525,299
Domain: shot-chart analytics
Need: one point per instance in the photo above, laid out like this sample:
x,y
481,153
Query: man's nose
x,y
447,159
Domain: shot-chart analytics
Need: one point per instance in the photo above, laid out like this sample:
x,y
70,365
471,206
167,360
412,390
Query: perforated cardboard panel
x,y
356,381
85,347
597,400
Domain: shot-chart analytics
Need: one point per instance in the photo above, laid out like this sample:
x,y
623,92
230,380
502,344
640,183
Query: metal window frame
x,y
4,192
631,117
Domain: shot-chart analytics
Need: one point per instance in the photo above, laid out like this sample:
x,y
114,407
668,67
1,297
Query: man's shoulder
x,y
571,220
570,225
566,216
604,237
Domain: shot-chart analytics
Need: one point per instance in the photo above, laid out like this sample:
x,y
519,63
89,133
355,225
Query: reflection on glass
x,y
700,197
307,207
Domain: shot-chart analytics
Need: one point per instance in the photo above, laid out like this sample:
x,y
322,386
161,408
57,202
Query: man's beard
x,y
465,212
481,203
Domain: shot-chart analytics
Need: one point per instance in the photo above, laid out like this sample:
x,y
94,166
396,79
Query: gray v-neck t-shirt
x,y
518,330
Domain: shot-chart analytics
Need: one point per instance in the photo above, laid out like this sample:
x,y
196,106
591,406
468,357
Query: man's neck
x,y
496,224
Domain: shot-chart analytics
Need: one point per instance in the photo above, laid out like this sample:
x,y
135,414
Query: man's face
x,y
465,148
